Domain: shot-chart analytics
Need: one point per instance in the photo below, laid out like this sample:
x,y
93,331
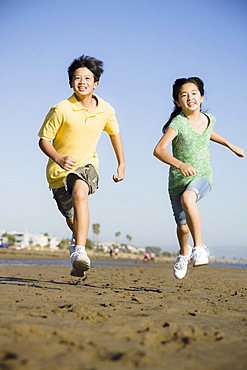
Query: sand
x,y
128,317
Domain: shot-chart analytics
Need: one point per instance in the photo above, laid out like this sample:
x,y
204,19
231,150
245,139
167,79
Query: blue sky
x,y
145,46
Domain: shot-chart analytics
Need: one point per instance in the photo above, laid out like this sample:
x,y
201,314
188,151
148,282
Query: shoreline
x,y
26,254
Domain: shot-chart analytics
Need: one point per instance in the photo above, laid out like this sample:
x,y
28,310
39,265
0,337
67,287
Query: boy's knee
x,y
80,190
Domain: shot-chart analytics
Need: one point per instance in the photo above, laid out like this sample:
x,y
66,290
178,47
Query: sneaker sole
x,y
80,265
77,273
180,277
197,264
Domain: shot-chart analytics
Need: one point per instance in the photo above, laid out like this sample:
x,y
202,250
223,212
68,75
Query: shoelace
x,y
182,262
78,250
197,253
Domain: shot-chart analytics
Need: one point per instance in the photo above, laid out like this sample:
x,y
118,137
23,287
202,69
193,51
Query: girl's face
x,y
189,98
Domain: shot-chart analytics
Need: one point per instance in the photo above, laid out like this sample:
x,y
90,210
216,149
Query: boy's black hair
x,y
93,64
175,93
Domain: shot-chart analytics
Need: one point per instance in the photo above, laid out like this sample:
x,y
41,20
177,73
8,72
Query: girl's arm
x,y
67,163
221,140
163,155
117,144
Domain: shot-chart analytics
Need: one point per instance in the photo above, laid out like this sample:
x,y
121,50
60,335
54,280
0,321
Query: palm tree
x,y
129,238
117,235
96,231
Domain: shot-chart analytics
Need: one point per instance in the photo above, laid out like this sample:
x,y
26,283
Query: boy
x,y
69,136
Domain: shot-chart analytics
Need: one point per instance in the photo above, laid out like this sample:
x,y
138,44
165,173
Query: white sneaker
x,y
181,264
79,260
72,242
200,255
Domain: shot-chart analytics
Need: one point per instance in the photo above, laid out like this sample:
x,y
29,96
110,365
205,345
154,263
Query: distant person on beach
x,y
190,176
69,136
116,251
146,257
111,251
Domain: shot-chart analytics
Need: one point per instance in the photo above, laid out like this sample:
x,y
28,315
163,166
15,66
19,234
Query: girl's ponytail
x,y
174,114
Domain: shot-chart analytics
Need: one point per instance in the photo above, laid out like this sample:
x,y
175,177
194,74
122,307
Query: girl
x,y
190,175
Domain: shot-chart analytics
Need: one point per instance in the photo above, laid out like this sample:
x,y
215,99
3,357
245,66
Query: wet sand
x,y
130,317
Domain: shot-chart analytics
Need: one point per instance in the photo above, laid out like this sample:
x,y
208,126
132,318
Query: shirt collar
x,y
76,106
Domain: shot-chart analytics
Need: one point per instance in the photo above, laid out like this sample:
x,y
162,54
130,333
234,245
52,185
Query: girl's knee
x,y
183,229
188,199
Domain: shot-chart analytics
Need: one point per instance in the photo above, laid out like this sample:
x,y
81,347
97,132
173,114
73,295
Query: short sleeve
x,y
212,119
176,124
111,126
50,125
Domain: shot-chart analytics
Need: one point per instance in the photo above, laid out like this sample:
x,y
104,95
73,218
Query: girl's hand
x,y
238,151
66,162
187,170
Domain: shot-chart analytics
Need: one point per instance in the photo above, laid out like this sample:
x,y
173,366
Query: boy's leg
x,y
65,205
81,211
78,256
79,259
80,183
70,223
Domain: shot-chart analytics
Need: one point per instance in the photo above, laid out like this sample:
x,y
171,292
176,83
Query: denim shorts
x,y
200,186
63,195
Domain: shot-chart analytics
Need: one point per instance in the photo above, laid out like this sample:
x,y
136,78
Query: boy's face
x,y
83,82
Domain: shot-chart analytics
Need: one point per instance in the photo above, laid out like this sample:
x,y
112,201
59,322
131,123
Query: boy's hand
x,y
238,151
117,179
120,174
66,162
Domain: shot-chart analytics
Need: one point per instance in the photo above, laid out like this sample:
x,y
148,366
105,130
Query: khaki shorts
x,y
63,195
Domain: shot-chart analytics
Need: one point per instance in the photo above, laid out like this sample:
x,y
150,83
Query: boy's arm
x,y
221,140
67,163
117,144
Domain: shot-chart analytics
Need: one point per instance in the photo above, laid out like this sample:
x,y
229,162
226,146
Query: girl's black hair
x,y
175,93
93,64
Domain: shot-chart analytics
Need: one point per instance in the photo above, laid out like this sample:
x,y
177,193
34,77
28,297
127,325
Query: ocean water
x,y
110,263
240,265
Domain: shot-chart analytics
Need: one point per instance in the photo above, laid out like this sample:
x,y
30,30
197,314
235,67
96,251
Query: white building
x,y
25,239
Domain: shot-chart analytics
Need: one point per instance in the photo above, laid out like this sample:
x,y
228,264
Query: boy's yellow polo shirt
x,y
75,132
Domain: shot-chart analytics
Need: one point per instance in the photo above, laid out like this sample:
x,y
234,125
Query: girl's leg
x,y
81,211
189,204
183,234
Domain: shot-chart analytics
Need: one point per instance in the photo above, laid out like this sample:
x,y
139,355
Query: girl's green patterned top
x,y
191,148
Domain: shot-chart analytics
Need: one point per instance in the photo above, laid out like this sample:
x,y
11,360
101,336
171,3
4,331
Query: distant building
x,y
126,248
25,239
